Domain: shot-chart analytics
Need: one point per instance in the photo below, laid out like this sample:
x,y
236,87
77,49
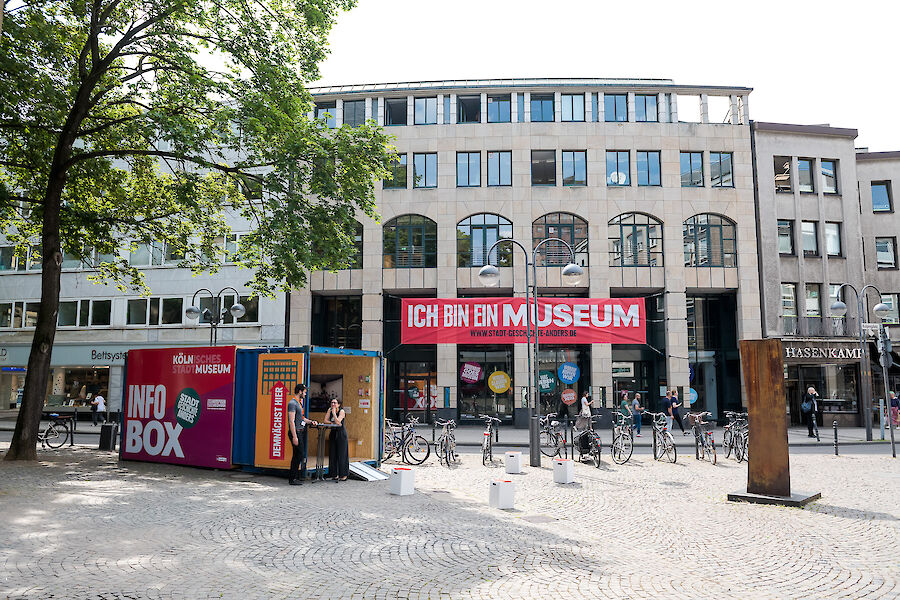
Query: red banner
x,y
504,320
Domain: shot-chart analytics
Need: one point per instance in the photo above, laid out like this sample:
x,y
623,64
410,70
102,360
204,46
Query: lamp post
x,y
214,317
881,310
489,276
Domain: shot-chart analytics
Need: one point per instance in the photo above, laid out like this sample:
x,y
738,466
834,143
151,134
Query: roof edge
x,y
807,129
878,155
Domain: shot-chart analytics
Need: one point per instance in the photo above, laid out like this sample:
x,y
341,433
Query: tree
x,y
127,122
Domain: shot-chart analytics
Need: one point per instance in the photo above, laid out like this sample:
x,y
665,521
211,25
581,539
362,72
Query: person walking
x,y
809,407
583,421
676,416
98,407
297,433
338,452
667,409
636,410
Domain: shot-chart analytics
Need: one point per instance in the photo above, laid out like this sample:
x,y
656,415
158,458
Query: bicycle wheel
x,y
417,450
660,446
56,435
388,445
726,442
738,449
596,450
485,442
711,449
621,450
549,442
442,450
669,444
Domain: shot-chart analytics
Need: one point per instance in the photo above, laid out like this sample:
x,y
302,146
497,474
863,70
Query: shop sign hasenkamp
x,y
504,320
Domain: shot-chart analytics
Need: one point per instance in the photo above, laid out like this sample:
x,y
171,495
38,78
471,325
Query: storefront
x,y
830,366
565,374
485,385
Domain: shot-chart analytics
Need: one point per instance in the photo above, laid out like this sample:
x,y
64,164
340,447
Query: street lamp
x,y
881,310
489,276
214,317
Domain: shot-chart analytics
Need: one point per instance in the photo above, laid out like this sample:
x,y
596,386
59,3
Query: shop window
x,y
782,167
337,321
721,168
394,111
635,240
572,107
805,175
425,111
354,113
396,178
691,169
475,365
410,241
425,170
542,108
648,168
81,385
615,108
476,234
498,108
709,241
829,176
543,167
571,229
882,200
886,252
499,165
618,170
550,386
468,169
645,108
326,111
786,238
468,109
574,167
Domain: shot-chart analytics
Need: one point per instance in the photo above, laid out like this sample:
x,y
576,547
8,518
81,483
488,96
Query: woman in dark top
x,y
338,453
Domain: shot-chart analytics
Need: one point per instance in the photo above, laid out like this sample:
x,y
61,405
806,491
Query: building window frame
x,y
499,107
356,110
395,112
888,193
647,161
710,240
890,254
574,168
499,166
409,241
691,169
615,108
399,173
830,173
425,170
635,240
806,183
425,110
571,107
832,237
783,180
545,173
567,226
476,234
786,226
545,104
618,163
809,250
468,169
720,177
468,108
646,105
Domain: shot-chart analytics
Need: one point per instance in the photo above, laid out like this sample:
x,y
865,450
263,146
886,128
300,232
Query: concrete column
x,y
527,107
662,108
453,108
514,107
735,111
339,113
677,369
368,107
440,109
301,317
372,321
673,107
484,108
557,106
588,108
704,108
631,111
410,110
746,111
601,107
446,373
380,115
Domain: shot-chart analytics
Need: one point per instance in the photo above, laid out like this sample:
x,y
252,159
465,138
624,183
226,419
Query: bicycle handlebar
x,y
489,419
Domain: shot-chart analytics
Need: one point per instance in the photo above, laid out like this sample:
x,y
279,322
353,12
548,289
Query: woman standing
x,y
338,453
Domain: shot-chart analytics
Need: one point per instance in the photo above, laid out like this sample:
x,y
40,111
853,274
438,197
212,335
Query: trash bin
x,y
109,433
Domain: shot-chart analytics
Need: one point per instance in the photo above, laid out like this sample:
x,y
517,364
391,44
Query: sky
x,y
807,62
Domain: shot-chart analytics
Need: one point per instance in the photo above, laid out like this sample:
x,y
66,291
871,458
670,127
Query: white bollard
x,y
563,470
502,494
402,481
513,462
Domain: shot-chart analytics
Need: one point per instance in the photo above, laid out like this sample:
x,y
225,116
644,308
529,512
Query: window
x,y
882,200
231,244
721,169
809,236
886,252
476,234
709,241
691,169
805,175
594,107
397,177
833,239
326,111
100,312
648,171
410,241
571,229
425,110
635,240
468,169
337,321
615,108
574,167
147,254
251,309
618,171
893,317
829,176
137,312
786,238
68,313
520,107
32,309
425,170
173,256
357,261
7,258
813,302
542,108
543,167
354,113
782,166
161,311
498,108
645,108
789,299
394,111
468,109
499,165
572,107
447,109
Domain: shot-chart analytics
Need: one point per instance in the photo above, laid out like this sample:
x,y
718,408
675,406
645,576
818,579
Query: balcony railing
x,y
819,327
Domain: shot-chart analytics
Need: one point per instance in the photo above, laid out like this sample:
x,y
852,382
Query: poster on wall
x,y
277,374
180,406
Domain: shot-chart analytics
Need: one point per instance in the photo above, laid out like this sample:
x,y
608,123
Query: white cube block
x,y
563,470
402,482
513,462
502,494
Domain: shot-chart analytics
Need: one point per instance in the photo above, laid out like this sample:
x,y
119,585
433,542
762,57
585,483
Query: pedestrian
x,y
338,453
297,422
895,409
809,407
676,416
624,405
636,410
98,407
583,421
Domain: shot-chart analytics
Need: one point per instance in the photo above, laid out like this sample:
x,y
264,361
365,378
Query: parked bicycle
x,y
663,442
735,436
552,440
487,441
402,439
704,443
446,442
57,433
622,444
589,443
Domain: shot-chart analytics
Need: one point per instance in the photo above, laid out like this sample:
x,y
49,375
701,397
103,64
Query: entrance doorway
x,y
414,390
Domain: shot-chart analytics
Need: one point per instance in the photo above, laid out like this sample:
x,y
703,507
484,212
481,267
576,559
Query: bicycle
x,y
57,432
735,436
551,440
487,441
622,444
589,443
704,443
446,442
403,440
663,442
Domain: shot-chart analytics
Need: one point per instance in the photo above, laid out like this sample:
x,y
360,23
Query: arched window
x,y
709,241
410,241
476,234
568,227
635,240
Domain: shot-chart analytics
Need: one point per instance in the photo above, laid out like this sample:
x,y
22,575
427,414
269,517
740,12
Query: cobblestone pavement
x,y
78,524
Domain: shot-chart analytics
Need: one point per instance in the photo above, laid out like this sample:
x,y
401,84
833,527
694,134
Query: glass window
x,y
326,111
357,261
691,169
709,241
7,258
645,108
574,167
618,171
635,240
474,396
829,176
893,317
32,309
468,109
171,311
648,171
786,237
84,310
572,107
833,239
447,109
6,312
571,229
542,108
782,166
137,311
395,111
543,167
354,113
426,111
615,107
397,177
70,261
101,311
805,175
410,241
337,321
476,234
810,238
813,302
68,313
520,107
425,170
251,309
721,169
595,106
498,108
499,168
468,169
882,200
173,255
886,252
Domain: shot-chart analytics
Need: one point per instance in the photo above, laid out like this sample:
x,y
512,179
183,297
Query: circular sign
x,y
692,395
413,393
568,396
546,381
569,373
498,382
187,408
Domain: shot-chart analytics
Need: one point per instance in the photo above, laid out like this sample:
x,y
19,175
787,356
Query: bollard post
x,y
72,434
835,438
881,416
